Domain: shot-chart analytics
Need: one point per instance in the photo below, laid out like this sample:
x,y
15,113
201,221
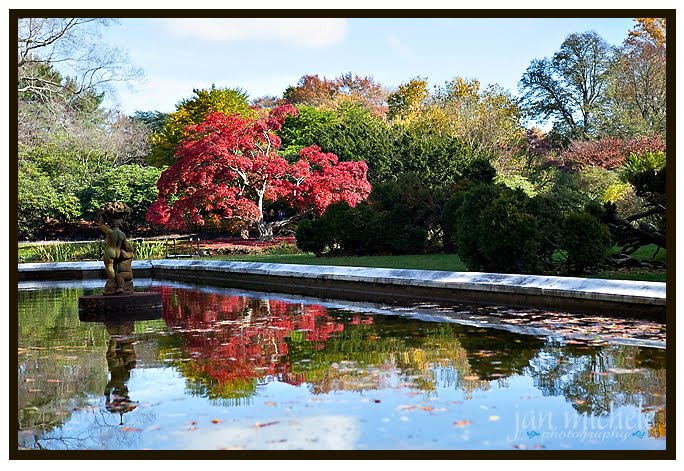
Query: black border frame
x,y
668,454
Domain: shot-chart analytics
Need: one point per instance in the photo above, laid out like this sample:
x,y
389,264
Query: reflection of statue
x,y
120,362
118,252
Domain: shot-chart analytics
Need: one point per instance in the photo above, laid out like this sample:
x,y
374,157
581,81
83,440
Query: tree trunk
x,y
265,230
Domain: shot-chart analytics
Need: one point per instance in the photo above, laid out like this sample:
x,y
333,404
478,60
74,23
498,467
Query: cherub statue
x,y
118,252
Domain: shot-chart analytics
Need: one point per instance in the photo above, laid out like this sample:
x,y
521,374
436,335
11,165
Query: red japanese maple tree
x,y
228,167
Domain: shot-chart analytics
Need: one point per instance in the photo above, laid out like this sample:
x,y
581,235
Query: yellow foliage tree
x,y
191,111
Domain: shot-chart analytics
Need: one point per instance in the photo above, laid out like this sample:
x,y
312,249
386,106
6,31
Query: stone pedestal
x,y
139,305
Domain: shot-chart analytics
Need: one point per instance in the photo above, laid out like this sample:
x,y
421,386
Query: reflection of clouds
x,y
311,433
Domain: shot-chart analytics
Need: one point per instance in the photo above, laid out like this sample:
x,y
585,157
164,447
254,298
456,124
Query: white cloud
x,y
308,32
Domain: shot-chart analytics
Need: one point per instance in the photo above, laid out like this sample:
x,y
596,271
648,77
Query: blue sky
x,y
264,56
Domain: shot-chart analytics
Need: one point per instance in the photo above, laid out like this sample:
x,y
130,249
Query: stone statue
x,y
118,252
118,302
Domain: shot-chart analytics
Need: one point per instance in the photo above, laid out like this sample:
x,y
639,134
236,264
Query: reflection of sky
x,y
282,416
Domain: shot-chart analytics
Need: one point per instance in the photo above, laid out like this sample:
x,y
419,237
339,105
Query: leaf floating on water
x,y
266,424
625,370
462,423
471,378
271,404
493,418
215,421
131,429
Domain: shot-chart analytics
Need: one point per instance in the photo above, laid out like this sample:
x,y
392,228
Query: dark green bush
x,y
394,220
313,236
497,229
466,230
507,236
585,241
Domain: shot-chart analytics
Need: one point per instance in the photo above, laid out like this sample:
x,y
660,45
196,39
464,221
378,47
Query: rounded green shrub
x,y
313,236
585,240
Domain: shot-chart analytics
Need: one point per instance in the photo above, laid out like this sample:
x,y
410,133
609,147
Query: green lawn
x,y
446,262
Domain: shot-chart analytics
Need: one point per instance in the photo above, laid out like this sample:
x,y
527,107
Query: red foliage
x,y
235,242
228,166
233,338
609,152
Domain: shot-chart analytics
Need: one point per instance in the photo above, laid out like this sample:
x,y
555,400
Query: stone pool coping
x,y
617,297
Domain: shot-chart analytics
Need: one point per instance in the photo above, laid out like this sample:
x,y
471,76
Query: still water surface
x,y
225,369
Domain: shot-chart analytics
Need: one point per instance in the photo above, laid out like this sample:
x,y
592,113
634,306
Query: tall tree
x,y
570,87
67,139
408,101
652,30
488,121
192,111
75,46
637,88
330,93
228,167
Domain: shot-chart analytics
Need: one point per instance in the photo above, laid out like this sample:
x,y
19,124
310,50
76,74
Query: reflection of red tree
x,y
235,339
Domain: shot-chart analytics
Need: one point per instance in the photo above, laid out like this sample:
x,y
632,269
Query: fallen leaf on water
x,y
266,424
494,418
215,421
471,378
131,429
427,408
270,404
462,423
625,370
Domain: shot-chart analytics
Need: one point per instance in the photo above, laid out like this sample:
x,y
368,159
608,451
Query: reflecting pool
x,y
235,370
